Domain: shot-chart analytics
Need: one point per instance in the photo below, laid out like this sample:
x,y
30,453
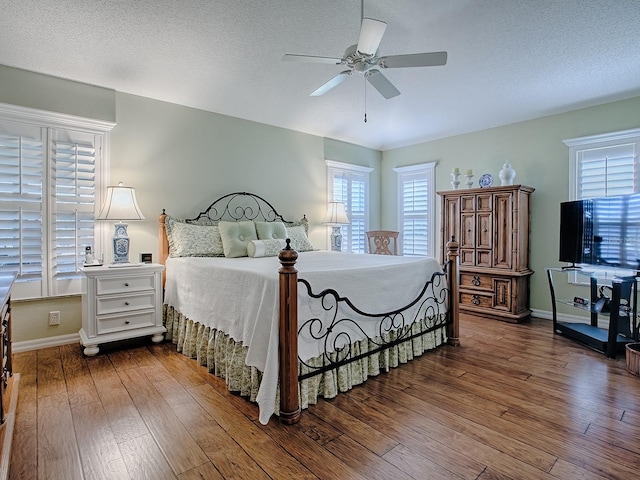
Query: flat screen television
x,y
602,231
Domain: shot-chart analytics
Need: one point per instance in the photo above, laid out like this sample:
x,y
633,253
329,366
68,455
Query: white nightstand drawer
x,y
128,322
124,284
125,303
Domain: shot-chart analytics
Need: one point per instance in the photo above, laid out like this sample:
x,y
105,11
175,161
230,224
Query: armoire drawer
x,y
476,281
479,299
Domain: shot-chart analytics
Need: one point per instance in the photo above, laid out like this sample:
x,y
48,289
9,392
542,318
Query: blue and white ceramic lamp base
x,y
336,239
120,244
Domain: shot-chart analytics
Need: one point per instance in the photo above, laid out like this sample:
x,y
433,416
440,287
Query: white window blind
x,y
51,168
416,210
349,184
604,165
21,200
606,171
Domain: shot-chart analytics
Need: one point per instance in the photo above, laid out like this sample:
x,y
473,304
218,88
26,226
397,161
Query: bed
x,y
284,323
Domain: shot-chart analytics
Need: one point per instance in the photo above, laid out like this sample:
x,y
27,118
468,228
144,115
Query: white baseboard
x,y
38,343
75,338
541,314
562,317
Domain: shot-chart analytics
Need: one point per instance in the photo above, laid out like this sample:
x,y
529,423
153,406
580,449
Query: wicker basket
x,y
633,358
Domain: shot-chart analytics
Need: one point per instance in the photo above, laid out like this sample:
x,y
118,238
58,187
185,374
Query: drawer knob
x,y
475,281
126,322
126,303
475,299
126,284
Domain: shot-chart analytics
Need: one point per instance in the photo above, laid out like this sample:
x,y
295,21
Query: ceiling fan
x,y
364,58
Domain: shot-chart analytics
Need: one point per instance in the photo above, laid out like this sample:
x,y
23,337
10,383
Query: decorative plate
x,y
486,180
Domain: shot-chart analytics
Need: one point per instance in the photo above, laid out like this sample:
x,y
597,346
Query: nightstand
x,y
119,303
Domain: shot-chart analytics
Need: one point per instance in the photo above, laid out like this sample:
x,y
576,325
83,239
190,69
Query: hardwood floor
x,y
514,401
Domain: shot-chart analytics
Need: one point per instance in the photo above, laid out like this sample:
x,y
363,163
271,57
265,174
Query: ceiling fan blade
x,y
382,84
371,32
338,79
311,59
431,59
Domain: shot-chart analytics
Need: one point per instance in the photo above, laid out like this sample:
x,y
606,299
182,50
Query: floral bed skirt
x,y
225,357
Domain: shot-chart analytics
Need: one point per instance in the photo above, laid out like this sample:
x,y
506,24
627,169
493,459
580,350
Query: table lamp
x,y
120,205
336,217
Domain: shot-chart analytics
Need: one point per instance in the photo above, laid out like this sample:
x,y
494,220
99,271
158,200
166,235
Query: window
x,y
416,201
51,172
603,166
349,184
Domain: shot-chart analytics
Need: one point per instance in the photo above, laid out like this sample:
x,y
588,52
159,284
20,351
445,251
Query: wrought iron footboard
x,y
335,326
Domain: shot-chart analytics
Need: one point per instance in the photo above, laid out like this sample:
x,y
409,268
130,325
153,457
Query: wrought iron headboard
x,y
239,206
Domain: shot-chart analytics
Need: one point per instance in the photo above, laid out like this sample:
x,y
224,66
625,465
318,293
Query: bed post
x,y
453,327
288,346
163,249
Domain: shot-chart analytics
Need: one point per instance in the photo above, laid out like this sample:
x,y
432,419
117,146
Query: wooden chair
x,y
379,241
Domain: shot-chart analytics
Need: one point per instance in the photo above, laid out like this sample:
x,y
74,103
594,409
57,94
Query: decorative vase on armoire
x,y
507,174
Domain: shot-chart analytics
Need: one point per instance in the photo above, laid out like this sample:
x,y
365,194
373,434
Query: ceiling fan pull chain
x,y
365,101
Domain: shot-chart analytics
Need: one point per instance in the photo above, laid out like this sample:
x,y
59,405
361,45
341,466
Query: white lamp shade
x,y
336,214
121,204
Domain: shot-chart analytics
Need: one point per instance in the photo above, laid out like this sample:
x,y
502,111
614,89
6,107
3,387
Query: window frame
x,y
427,169
579,145
349,169
55,123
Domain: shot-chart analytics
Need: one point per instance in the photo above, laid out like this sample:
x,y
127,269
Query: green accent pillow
x,y
236,236
299,240
189,240
266,248
270,230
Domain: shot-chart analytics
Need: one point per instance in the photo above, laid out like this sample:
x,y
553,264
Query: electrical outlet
x,y
54,318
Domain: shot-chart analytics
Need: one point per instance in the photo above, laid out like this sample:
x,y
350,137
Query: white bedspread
x,y
239,296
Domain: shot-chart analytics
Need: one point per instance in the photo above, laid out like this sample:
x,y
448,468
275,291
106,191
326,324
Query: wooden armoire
x,y
491,226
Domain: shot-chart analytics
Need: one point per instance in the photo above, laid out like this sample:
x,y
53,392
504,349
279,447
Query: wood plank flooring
x,y
514,401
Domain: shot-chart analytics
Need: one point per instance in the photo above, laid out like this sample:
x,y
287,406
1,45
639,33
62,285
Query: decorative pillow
x,y
265,248
270,230
302,222
188,240
299,240
236,236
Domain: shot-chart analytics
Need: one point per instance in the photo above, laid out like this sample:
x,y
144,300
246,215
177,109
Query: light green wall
x,y
30,319
535,150
29,89
349,153
181,159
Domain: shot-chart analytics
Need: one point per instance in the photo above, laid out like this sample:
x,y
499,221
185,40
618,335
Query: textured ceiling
x,y
509,60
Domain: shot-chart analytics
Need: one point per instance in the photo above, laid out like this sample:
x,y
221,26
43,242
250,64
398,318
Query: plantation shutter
x,y
606,171
52,169
350,185
21,200
73,207
414,210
